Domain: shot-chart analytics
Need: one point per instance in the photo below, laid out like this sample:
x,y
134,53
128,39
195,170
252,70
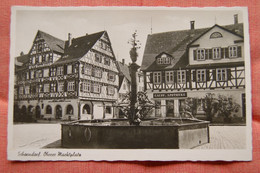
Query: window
x,y
111,77
87,69
110,90
71,86
98,58
40,88
39,73
46,73
69,110
201,75
46,88
53,71
32,74
159,61
107,61
60,71
40,58
181,76
86,87
96,88
221,74
216,35
33,60
166,60
27,75
53,87
86,109
97,73
20,90
169,77
108,110
69,69
233,51
48,109
60,86
201,54
27,89
157,77
216,53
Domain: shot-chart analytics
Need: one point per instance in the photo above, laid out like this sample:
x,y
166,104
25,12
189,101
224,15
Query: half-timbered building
x,y
73,79
191,63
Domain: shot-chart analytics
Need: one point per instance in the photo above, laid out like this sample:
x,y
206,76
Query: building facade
x,y
73,79
192,63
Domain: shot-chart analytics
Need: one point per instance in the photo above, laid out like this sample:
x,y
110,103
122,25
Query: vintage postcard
x,y
129,83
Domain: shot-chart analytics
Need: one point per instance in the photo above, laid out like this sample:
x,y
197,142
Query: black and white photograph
x,y
129,83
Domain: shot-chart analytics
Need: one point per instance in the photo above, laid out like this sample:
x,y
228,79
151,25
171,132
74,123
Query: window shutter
x,y
163,76
214,74
210,53
83,69
206,53
195,54
228,74
65,86
76,85
239,51
207,75
151,77
226,53
187,75
222,51
65,69
175,76
194,75
92,87
93,71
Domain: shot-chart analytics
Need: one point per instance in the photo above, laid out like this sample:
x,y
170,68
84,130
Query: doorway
x,y
169,108
58,112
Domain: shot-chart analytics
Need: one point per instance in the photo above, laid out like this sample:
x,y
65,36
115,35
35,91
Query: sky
x,y
118,22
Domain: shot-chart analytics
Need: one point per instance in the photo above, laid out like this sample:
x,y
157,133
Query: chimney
x,y
123,61
21,54
69,39
192,25
236,19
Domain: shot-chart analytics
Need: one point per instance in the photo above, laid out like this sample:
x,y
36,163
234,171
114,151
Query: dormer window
x,y
164,59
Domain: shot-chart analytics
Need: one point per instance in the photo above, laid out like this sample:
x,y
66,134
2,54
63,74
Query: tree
x,y
221,105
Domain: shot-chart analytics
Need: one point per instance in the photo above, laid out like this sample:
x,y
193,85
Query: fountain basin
x,y
118,134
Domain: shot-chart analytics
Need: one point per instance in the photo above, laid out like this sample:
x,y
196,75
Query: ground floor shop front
x,y
172,104
65,109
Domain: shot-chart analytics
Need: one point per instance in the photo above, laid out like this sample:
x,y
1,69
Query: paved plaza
x,y
41,135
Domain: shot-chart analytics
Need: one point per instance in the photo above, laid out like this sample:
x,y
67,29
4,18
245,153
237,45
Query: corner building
x,y
73,79
194,62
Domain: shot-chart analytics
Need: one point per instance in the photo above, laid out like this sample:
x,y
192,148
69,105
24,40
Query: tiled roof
x,y
79,47
123,72
54,43
22,59
175,43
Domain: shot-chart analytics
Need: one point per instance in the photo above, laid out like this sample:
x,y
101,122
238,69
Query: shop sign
x,y
169,95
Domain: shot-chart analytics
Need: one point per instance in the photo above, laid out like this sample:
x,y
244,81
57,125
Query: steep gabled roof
x,y
175,43
124,70
21,62
54,43
79,47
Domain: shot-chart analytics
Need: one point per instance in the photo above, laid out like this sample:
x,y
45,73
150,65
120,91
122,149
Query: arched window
x,y
216,35
69,110
86,109
48,109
